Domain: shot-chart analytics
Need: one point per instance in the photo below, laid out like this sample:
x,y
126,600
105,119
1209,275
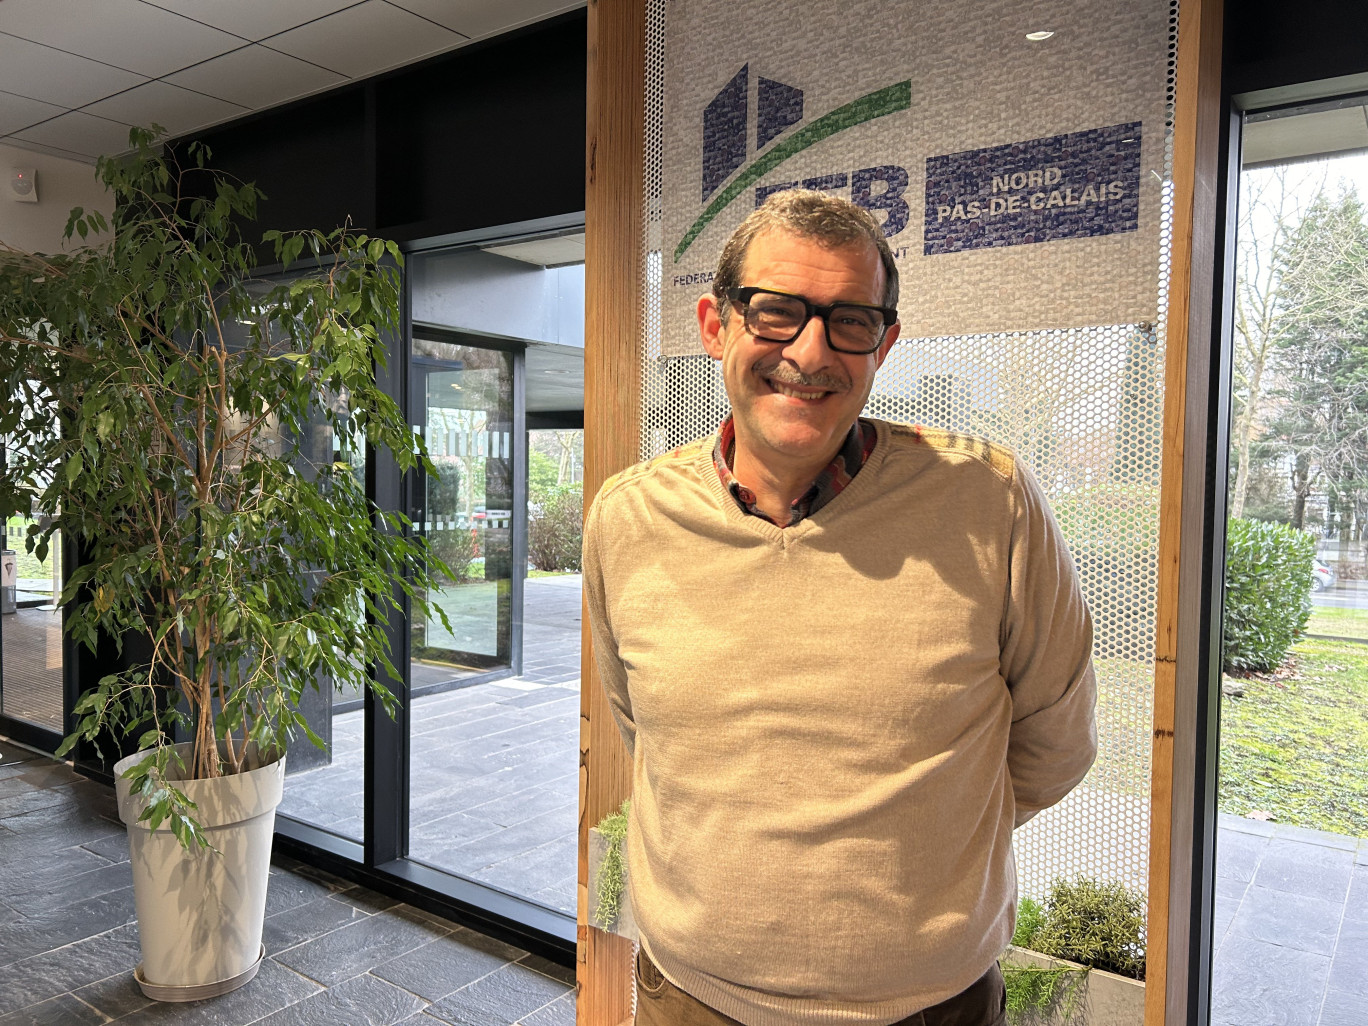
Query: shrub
x,y
1101,925
456,548
1268,593
555,529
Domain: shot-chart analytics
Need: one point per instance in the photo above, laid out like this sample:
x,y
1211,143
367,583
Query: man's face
x,y
794,402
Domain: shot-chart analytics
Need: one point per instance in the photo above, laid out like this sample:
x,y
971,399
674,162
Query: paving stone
x,y
1349,965
1356,904
499,999
1291,921
421,1019
22,876
48,974
1255,983
63,1010
360,1001
447,964
359,946
274,987
1305,869
306,922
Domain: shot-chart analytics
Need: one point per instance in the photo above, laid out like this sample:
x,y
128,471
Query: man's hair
x,y
828,220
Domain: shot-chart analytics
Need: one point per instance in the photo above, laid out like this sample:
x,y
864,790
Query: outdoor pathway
x,y
336,953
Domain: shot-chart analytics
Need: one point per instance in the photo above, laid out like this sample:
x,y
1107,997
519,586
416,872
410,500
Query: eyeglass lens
x,y
777,318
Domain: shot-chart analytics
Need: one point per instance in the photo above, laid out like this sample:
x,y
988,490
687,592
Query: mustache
x,y
783,374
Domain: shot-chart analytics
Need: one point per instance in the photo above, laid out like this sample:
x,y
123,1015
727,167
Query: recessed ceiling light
x,y
1037,37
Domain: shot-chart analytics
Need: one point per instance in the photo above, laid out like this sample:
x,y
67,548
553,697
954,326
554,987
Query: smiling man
x,y
848,657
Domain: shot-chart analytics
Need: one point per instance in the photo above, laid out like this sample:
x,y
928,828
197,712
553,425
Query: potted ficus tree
x,y
198,434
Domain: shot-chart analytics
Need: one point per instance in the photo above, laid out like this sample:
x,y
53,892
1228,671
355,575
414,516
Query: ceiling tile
x,y
254,19
80,133
18,112
175,109
365,39
256,77
42,73
476,18
125,33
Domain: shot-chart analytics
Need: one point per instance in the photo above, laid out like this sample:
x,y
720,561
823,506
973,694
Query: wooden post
x,y
612,399
1179,675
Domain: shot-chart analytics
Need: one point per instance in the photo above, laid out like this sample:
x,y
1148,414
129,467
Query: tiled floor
x,y
494,783
1291,927
336,954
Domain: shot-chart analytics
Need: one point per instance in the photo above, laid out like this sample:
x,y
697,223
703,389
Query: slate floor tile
x,y
275,987
305,922
1356,904
115,996
549,968
560,1012
365,899
499,999
1309,870
1349,965
50,973
360,1001
1255,983
63,1010
286,890
72,888
359,946
50,930
1344,1007
113,847
1291,921
447,964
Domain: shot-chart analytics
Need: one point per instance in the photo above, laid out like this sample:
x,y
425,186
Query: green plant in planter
x,y
1098,925
198,432
612,873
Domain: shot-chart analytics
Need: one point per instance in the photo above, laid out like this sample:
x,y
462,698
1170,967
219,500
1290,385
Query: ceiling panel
x,y
254,19
125,33
18,112
42,73
485,17
256,77
81,133
177,110
366,39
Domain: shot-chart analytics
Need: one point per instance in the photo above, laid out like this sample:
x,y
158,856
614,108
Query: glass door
x,y
463,408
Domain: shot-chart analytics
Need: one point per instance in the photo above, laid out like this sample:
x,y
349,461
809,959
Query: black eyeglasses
x,y
780,317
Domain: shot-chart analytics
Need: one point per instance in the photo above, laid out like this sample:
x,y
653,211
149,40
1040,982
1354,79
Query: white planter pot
x,y
1104,999
199,913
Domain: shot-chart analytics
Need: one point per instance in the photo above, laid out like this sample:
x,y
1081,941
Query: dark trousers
x,y
661,1003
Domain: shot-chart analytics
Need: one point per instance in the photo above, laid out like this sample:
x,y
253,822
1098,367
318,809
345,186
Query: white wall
x,y
62,184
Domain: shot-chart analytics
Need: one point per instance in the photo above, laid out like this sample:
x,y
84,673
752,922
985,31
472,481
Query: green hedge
x,y
1268,593
555,529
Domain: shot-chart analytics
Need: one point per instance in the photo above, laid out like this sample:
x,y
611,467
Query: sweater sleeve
x,y
1046,658
612,673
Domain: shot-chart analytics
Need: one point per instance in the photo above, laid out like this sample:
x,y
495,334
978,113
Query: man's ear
x,y
710,325
890,336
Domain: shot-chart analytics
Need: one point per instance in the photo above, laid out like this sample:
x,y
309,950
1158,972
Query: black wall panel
x,y
490,134
1272,43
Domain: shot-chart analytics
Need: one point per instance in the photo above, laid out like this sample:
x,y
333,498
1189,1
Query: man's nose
x,y
809,351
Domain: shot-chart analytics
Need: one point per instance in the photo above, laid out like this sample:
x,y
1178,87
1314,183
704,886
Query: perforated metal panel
x,y
1084,408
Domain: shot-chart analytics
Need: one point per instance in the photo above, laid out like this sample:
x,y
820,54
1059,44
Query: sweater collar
x,y
832,480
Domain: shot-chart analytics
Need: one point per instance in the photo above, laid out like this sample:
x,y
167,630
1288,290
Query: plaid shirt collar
x,y
833,479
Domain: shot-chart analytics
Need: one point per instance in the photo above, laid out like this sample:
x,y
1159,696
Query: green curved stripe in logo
x,y
868,107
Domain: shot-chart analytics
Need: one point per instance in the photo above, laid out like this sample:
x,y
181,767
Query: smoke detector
x,y
23,185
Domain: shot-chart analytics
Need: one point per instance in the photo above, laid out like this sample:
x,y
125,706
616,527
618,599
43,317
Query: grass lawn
x,y
1343,623
1295,743
27,564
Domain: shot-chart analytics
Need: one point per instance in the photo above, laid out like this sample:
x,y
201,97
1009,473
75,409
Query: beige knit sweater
x,y
835,726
